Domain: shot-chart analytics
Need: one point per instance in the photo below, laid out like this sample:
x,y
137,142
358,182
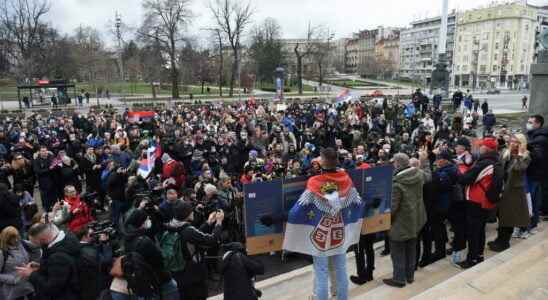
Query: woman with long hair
x,y
513,210
12,255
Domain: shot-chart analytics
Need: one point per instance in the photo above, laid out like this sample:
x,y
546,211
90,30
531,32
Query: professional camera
x,y
102,227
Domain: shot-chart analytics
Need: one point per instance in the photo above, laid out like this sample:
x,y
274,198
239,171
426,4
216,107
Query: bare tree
x,y
322,50
232,18
164,21
22,22
303,50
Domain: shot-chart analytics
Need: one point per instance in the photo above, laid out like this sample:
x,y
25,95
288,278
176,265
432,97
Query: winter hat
x,y
182,210
463,142
490,143
444,155
137,218
165,158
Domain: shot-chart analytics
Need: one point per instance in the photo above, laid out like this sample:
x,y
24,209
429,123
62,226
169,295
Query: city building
x,y
387,52
340,55
419,48
361,49
495,46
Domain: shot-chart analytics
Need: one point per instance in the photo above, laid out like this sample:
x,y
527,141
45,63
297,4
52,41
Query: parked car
x,y
377,93
493,91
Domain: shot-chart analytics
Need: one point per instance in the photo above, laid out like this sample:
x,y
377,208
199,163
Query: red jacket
x,y
80,214
174,169
478,179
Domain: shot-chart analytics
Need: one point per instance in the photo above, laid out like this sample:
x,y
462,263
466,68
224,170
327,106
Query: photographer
x,y
192,281
141,271
116,186
94,263
167,205
238,271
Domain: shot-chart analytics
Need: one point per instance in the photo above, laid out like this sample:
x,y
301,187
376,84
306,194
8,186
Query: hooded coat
x,y
408,212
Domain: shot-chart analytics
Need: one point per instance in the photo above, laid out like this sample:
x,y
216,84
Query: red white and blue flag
x,y
344,96
140,116
327,218
147,164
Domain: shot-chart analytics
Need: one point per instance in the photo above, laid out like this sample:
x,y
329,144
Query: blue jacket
x,y
489,120
444,180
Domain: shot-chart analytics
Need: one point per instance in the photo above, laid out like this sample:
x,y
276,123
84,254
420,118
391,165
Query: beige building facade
x,y
494,46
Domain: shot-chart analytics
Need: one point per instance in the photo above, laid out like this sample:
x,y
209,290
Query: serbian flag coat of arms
x,y
327,218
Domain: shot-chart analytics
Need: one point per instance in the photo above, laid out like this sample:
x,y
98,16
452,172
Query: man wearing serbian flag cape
x,y
325,222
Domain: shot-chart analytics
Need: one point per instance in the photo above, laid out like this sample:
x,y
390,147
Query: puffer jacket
x,y
478,178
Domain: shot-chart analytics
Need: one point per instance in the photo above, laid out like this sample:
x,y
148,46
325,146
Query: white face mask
x,y
529,127
148,224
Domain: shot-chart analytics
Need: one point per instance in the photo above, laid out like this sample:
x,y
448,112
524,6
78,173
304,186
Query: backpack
x,y
140,276
495,189
172,245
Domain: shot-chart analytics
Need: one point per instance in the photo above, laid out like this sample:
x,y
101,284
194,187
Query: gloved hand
x,y
266,220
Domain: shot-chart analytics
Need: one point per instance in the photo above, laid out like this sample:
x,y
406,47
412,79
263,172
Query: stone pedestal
x,y
538,103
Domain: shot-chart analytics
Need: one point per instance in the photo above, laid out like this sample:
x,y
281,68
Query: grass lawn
x,y
126,88
352,83
292,88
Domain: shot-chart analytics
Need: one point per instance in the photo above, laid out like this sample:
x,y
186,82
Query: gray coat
x,y
512,209
11,285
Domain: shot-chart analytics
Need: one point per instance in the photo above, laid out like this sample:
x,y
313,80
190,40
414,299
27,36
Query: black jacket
x,y
238,271
116,186
42,171
94,266
538,149
57,278
10,211
137,240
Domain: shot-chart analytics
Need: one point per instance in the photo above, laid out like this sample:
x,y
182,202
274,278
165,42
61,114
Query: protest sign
x,y
262,199
377,184
276,198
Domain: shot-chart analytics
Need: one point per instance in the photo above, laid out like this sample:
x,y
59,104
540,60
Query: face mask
x,y
148,224
529,127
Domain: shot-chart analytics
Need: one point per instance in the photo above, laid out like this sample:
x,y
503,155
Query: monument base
x,y
538,103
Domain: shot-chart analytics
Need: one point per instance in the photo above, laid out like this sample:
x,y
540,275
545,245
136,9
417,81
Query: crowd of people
x,y
80,220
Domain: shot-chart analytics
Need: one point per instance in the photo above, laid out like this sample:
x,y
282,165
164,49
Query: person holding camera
x,y
116,187
72,211
238,272
94,263
192,281
141,271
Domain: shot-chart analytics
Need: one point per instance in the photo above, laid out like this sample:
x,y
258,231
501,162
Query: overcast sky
x,y
343,16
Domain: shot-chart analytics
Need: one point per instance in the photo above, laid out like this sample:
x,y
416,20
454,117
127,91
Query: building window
x,y
495,68
526,27
483,68
496,56
496,46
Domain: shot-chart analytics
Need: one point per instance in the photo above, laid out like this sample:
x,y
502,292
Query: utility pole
x,y
118,25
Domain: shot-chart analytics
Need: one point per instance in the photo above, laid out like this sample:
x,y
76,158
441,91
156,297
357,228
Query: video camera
x,y
102,227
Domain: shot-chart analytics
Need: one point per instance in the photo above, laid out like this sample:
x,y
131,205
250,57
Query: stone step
x,y
517,273
298,284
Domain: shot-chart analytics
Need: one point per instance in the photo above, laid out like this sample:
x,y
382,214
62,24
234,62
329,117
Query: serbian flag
x,y
140,116
147,164
344,96
327,218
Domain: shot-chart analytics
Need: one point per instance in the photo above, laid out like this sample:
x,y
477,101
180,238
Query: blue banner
x,y
261,199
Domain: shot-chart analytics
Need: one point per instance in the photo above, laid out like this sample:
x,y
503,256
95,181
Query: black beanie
x,y
182,210
464,142
137,218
